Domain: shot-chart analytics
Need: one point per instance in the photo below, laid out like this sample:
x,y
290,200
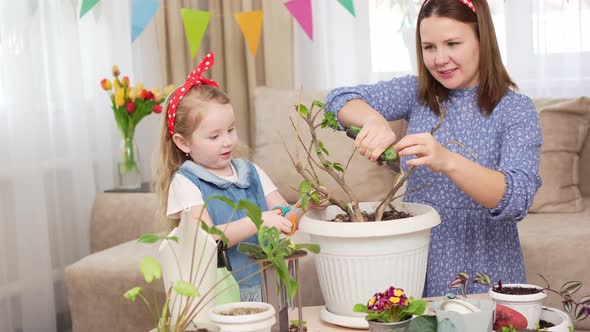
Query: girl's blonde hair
x,y
494,80
189,113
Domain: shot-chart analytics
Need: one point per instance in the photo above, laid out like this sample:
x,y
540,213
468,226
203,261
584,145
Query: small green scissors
x,y
283,210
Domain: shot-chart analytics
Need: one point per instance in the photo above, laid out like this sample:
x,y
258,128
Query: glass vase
x,y
129,175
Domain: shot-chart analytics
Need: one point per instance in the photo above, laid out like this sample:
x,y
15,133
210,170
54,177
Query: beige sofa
x,y
553,243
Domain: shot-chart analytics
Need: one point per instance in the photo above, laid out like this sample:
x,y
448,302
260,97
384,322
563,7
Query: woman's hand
x,y
374,138
428,151
274,218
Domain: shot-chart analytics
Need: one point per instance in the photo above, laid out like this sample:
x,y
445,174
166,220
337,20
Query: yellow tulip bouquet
x,y
130,104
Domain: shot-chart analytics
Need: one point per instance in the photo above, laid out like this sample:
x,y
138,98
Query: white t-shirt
x,y
183,194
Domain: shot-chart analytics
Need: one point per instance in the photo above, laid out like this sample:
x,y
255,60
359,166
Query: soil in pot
x,y
517,290
241,311
370,216
295,328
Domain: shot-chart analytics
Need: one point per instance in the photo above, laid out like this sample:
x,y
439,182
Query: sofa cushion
x,y
565,126
553,245
272,127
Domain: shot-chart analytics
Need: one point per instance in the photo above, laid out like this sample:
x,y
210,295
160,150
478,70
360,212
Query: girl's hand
x,y
374,138
274,218
428,151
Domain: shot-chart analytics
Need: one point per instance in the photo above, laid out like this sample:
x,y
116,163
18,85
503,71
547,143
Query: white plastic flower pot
x,y
258,322
210,327
359,259
560,319
527,305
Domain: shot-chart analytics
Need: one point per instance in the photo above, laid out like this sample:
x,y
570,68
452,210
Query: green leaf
x,y
149,238
172,238
359,307
315,197
185,289
251,250
133,293
567,305
283,271
581,312
327,164
252,211
226,200
329,121
585,300
311,247
423,324
338,167
482,279
416,307
303,111
570,287
213,230
304,199
325,151
305,187
318,104
150,269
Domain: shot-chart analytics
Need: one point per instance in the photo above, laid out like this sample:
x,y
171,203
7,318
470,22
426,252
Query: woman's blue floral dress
x,y
470,238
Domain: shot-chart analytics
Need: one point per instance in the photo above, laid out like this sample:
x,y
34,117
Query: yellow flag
x,y
251,25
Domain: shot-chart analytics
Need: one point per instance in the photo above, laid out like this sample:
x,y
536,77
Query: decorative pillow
x,y
272,127
565,124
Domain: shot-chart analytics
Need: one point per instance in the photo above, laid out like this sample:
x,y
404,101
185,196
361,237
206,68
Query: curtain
x,y
545,44
236,70
59,140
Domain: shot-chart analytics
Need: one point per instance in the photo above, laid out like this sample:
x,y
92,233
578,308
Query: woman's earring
x,y
186,154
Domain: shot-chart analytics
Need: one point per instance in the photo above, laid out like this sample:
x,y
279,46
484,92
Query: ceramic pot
x,y
389,327
559,318
528,306
258,322
359,259
464,315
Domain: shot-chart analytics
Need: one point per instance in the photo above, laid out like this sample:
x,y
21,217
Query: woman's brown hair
x,y
189,113
494,80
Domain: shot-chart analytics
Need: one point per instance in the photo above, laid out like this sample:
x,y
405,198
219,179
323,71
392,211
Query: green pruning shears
x,y
389,156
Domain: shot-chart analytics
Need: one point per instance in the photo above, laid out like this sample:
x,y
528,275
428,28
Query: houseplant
x,y
390,310
130,104
357,257
519,306
189,294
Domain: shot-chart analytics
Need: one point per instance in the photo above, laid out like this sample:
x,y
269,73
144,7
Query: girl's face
x,y
450,50
212,143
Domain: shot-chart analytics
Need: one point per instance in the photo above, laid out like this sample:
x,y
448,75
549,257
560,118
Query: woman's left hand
x,y
428,151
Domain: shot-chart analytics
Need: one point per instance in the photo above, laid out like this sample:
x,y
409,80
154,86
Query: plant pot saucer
x,y
346,321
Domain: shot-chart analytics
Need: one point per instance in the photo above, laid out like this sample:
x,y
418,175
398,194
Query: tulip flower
x,y
157,109
119,97
116,71
139,86
106,84
117,84
133,93
130,106
125,81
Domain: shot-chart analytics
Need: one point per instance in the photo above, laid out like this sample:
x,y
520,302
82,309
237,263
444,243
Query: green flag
x,y
349,5
87,5
195,24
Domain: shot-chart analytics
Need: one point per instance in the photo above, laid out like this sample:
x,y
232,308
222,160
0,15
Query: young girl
x,y
197,143
481,199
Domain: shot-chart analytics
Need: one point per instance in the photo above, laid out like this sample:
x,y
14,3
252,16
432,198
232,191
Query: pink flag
x,y
301,10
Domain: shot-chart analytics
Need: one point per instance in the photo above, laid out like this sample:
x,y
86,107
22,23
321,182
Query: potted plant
x,y
188,295
520,306
358,258
390,310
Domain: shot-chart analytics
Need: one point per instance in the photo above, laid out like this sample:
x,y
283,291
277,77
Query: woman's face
x,y
450,50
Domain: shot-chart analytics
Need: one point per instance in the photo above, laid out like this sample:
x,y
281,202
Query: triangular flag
x,y
87,5
349,5
301,10
251,25
195,24
142,12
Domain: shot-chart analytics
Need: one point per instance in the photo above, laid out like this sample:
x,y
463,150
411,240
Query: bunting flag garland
x,y
87,5
195,24
349,5
251,25
142,12
301,10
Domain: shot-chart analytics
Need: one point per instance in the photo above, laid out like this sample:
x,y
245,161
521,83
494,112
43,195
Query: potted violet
x,y
391,310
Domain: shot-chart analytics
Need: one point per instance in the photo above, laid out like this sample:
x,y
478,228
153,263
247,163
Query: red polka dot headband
x,y
468,3
195,78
